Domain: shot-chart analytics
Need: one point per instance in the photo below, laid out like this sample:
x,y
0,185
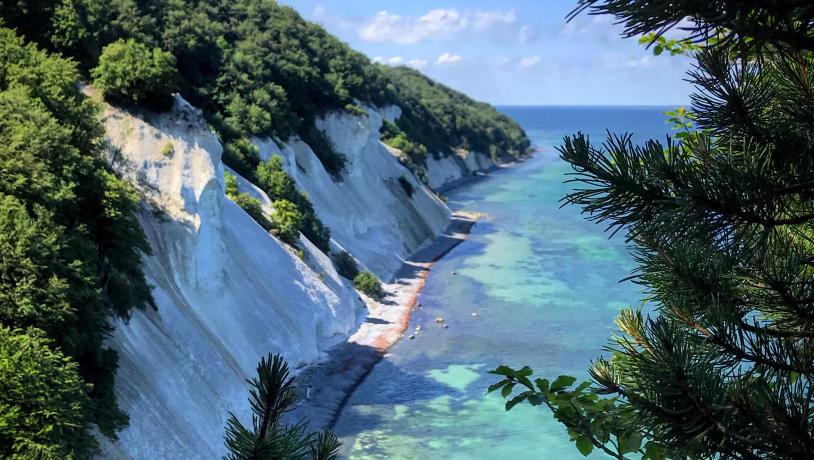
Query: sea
x,y
535,284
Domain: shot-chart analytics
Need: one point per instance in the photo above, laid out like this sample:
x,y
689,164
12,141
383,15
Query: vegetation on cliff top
x,y
258,69
441,119
70,259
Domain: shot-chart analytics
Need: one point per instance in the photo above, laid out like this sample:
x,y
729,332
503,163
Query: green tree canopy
x,y
132,73
287,220
43,400
257,68
70,243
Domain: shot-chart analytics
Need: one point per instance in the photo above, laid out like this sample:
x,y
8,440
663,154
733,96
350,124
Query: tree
x,y
346,265
272,395
719,362
43,400
279,185
70,244
273,179
132,73
287,220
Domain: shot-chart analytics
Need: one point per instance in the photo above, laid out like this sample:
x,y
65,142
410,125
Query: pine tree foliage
x,y
788,22
719,361
272,395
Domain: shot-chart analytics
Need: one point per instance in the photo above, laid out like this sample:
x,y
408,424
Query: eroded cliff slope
x,y
227,291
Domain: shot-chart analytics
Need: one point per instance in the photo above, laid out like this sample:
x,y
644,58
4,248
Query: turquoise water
x,y
544,283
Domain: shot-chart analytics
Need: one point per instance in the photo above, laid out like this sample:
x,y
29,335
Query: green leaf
x,y
584,445
507,390
630,443
535,399
524,372
503,370
542,384
654,451
562,382
582,386
525,382
496,386
516,400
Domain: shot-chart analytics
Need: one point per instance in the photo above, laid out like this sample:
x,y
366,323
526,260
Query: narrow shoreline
x,y
329,383
334,378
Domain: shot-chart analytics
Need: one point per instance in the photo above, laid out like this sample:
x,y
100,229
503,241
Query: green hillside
x,y
258,68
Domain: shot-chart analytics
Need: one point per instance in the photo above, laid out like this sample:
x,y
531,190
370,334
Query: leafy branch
x,y
592,422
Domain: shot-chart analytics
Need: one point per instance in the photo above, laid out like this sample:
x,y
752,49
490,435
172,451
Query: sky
x,y
510,52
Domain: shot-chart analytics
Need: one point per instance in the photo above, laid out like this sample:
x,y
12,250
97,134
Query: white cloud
x,y
398,60
529,62
448,58
642,63
395,60
389,27
319,11
417,63
485,20
385,26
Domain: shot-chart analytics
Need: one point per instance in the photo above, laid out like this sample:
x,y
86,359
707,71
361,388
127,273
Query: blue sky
x,y
511,52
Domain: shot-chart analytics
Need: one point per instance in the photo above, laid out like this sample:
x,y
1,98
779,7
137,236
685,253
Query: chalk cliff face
x,y
227,294
445,171
369,212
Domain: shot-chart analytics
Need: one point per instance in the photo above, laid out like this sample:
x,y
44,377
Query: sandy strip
x,y
333,379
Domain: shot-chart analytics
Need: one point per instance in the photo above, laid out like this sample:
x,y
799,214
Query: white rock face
x,y
227,294
445,171
369,212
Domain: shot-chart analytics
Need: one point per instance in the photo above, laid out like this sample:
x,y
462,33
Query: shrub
x,y
275,181
248,203
131,73
278,185
407,186
253,208
414,154
232,189
242,156
168,150
354,109
323,148
287,221
346,265
369,284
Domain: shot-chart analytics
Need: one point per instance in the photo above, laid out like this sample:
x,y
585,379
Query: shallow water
x,y
544,283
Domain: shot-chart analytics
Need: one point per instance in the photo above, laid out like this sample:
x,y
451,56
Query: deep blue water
x,y
544,283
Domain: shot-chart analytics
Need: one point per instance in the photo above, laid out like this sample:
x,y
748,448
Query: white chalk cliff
x,y
369,213
228,292
445,171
